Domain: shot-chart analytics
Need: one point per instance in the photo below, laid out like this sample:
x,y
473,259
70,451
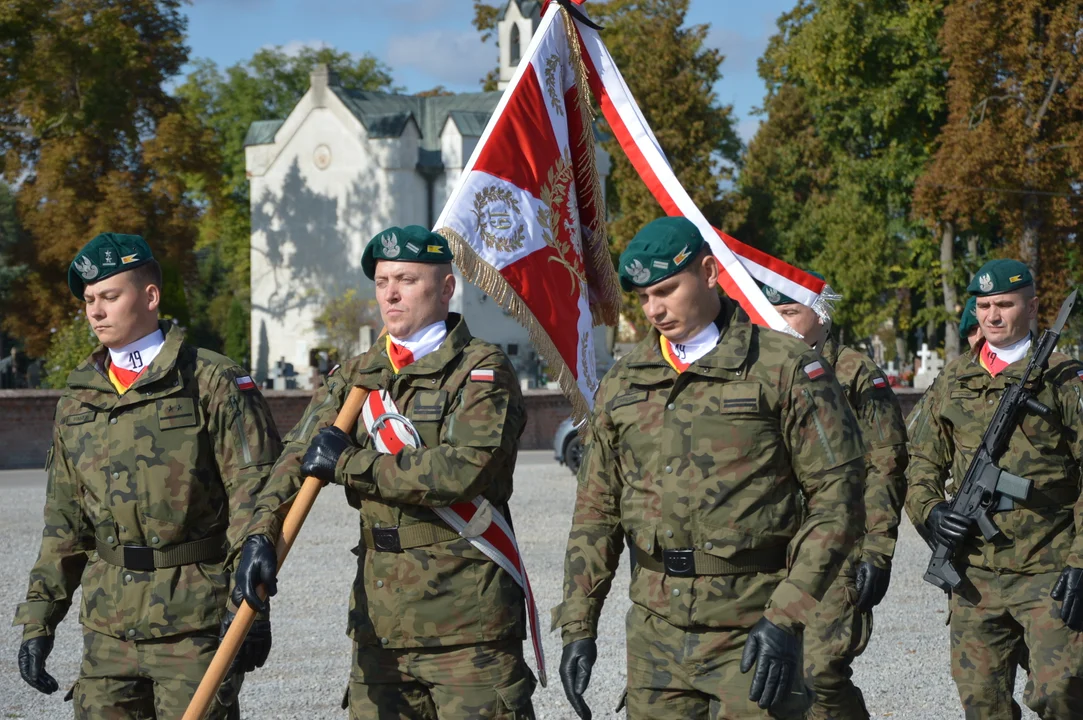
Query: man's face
x,y
412,296
682,305
119,310
804,320
1005,319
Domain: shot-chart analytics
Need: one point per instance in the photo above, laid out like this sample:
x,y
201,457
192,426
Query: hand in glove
x,y
576,662
32,655
872,585
258,566
777,656
323,453
1069,590
950,527
253,653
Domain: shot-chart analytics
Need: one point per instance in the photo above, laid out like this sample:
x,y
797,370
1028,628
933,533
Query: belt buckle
x,y
387,539
138,557
679,563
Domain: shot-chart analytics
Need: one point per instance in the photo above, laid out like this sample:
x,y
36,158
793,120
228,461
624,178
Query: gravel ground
x,y
903,674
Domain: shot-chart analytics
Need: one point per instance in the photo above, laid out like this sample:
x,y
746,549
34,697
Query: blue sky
x,y
431,42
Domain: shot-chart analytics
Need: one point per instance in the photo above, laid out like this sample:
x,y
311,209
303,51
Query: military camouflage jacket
x,y
181,456
446,593
1040,533
720,458
880,416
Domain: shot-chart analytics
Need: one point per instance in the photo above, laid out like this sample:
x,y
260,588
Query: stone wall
x,y
26,418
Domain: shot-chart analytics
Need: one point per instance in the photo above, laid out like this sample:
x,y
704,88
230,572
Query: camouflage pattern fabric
x,y
485,680
1039,533
1002,616
679,674
183,455
994,610
838,631
448,593
121,680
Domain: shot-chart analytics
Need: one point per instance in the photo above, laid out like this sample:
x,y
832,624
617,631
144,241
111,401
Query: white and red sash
x,y
475,520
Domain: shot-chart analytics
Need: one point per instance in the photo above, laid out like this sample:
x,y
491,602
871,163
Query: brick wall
x,y
26,419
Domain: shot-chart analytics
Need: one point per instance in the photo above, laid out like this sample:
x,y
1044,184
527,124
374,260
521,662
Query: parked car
x,y
568,446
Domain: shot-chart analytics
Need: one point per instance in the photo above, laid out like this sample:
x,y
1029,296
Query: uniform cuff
x,y
354,470
790,607
577,619
34,612
878,549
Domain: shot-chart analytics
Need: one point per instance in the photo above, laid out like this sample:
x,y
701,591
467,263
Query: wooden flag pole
x,y
246,614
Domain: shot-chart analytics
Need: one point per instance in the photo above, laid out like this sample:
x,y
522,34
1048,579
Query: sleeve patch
x,y
814,370
879,383
244,382
483,376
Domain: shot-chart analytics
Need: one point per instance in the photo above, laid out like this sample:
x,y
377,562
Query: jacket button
x,y
116,476
384,641
669,533
131,632
671,406
376,525
379,583
676,592
113,421
648,546
127,578
669,468
154,540
708,546
109,540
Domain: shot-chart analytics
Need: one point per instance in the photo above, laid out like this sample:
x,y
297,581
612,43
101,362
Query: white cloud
x,y
448,57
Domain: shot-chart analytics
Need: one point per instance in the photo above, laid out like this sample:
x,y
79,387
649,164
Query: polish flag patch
x,y
879,382
1079,374
482,375
244,382
814,370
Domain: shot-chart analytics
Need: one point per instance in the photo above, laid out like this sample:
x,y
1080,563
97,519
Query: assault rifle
x,y
985,487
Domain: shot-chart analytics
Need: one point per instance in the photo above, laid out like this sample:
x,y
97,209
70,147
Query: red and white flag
x,y
527,220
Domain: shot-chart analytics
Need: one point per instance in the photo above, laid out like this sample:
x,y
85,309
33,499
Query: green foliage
x,y
341,319
236,340
70,345
266,87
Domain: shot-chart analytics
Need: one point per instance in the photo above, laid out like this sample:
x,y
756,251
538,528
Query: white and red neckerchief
x,y
408,350
681,355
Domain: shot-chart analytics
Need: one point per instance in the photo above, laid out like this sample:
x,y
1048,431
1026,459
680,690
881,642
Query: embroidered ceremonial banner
x,y
527,219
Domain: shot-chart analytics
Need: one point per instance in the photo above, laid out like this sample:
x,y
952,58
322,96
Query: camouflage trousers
x,y
990,614
692,675
487,680
837,633
143,679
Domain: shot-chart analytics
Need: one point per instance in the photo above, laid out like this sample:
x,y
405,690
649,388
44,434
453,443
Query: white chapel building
x,y
344,165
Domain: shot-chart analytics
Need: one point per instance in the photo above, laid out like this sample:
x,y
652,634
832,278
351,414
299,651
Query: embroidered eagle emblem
x,y
637,272
391,246
985,282
86,269
772,294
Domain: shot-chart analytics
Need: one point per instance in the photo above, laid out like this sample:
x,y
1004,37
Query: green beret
x,y
1000,276
661,249
777,297
105,256
969,320
412,243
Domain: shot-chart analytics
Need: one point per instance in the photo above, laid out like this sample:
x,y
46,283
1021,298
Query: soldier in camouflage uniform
x,y
729,456
1026,587
160,451
437,626
842,625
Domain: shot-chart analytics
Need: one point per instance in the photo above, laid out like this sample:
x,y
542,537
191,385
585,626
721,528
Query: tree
x,y
342,318
69,346
1011,153
94,141
266,87
854,103
671,74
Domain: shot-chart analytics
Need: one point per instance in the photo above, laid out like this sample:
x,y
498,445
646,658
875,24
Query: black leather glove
x,y
950,527
777,656
576,662
322,455
32,655
1069,590
872,585
253,653
258,566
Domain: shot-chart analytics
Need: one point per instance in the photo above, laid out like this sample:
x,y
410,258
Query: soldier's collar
x,y
732,349
830,350
91,373
458,337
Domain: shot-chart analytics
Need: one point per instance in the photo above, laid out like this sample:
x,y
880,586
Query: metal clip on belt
x,y
144,559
